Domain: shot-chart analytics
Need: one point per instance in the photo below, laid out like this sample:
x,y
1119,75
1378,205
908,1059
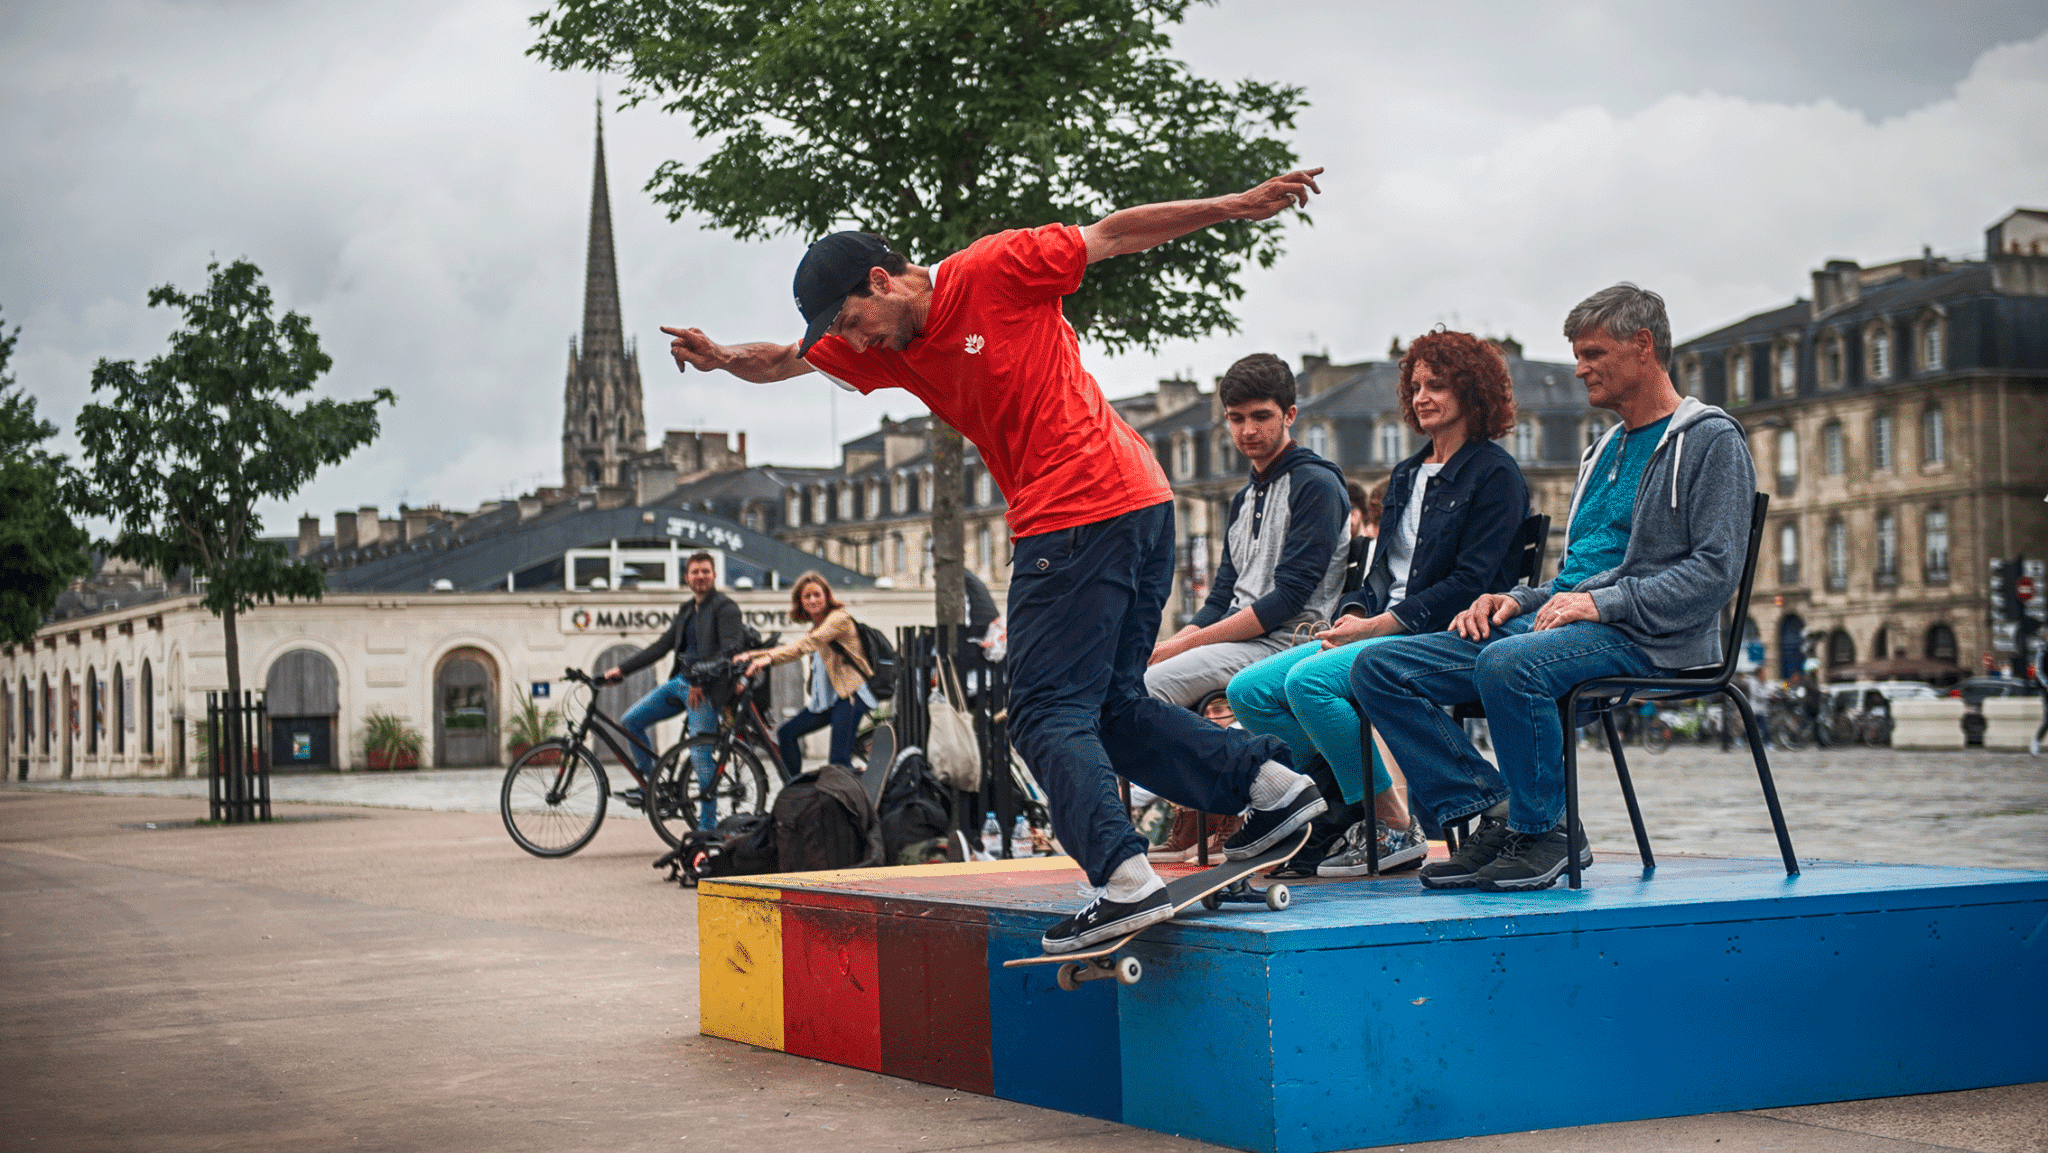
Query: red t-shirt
x,y
998,361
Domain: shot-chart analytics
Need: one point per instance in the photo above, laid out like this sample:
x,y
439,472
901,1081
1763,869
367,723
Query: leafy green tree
x,y
41,550
189,444
935,122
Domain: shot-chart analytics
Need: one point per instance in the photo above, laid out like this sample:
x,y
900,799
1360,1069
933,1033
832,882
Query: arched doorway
x,y
304,699
1791,647
466,710
1941,644
1841,649
68,702
616,699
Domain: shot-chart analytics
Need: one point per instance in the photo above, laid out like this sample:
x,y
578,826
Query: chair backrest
x,y
1354,563
1731,645
1534,542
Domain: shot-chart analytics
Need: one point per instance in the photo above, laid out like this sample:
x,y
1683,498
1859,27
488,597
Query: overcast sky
x,y
410,180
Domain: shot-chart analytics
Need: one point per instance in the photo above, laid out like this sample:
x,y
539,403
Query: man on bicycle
x,y
706,627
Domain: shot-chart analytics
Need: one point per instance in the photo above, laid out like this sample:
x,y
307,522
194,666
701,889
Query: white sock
x,y
1276,785
1133,880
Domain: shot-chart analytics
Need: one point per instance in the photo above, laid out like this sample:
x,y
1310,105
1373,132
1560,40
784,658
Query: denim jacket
x,y
1465,544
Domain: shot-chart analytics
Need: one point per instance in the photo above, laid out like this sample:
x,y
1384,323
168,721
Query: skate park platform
x,y
1374,1011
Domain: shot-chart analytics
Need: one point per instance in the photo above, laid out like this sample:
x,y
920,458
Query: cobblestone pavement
x,y
1968,808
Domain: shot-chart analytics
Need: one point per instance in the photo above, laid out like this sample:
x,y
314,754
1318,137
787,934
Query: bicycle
x,y
740,747
555,793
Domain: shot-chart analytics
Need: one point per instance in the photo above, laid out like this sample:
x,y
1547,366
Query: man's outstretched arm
x,y
759,363
1137,229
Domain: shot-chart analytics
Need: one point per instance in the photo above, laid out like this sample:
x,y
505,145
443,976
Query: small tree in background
x,y
933,123
186,446
41,550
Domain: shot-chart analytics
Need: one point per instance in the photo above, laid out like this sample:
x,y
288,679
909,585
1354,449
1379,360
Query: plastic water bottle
x,y
992,836
1020,837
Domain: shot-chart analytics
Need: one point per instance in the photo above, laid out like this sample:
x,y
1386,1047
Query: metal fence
x,y
237,758
987,685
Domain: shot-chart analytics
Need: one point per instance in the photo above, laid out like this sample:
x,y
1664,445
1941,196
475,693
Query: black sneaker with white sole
x,y
1264,828
1106,920
1479,848
1532,861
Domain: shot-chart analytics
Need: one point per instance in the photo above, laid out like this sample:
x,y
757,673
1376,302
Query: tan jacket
x,y
846,678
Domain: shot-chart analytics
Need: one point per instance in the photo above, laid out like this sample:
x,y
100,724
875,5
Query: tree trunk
x,y
949,531
234,654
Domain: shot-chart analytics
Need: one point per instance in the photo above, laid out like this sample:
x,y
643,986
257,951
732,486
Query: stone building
x,y
602,422
1899,420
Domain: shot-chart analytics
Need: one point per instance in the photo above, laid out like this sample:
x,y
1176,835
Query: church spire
x,y
603,332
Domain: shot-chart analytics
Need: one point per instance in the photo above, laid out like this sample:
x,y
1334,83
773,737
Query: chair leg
x,y
1566,712
1372,846
1202,839
1763,776
1628,790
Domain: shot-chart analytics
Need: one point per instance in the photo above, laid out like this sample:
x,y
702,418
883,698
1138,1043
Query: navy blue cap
x,y
829,272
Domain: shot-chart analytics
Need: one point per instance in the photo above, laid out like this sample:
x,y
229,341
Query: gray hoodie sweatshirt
x,y
1687,539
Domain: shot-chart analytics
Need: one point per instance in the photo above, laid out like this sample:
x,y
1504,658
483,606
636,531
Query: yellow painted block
x,y
739,967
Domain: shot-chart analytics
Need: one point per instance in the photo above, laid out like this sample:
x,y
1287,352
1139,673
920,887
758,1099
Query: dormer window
x,y
1932,341
1785,367
1317,440
1877,351
1830,360
1183,456
1390,442
1738,375
1689,375
1525,439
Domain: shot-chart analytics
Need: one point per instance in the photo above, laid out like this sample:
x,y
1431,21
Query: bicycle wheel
x,y
553,798
1656,735
738,785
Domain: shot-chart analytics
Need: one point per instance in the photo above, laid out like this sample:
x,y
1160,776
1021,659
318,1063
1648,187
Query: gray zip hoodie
x,y
1686,543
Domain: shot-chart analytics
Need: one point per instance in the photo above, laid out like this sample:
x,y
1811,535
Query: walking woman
x,y
839,694
1447,532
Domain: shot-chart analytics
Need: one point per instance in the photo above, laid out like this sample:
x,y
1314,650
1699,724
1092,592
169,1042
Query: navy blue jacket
x,y
1283,544
1465,545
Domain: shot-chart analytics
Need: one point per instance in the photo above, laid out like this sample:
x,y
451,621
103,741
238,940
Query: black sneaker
x,y
1106,920
1264,828
1532,861
1476,852
634,797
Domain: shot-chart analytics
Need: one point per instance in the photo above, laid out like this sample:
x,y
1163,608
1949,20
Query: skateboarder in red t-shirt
x,y
980,338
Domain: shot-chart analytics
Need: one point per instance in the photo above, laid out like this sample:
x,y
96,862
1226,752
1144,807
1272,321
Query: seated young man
x,y
1658,527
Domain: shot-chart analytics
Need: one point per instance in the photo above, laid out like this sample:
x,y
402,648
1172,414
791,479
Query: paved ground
x,y
402,978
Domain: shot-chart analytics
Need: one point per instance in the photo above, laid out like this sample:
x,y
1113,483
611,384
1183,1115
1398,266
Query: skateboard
x,y
881,758
1229,881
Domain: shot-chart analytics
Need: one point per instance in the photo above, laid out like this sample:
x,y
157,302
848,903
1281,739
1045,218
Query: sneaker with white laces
x,y
1106,920
1532,861
1477,851
1264,828
1398,850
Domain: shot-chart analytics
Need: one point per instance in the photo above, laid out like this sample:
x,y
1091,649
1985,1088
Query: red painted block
x,y
831,1000
934,1004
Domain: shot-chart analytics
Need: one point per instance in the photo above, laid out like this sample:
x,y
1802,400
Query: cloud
x,y
420,189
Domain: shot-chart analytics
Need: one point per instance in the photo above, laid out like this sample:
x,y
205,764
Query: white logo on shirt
x,y
974,344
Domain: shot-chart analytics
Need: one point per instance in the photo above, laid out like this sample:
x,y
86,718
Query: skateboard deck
x,y
1206,888
881,758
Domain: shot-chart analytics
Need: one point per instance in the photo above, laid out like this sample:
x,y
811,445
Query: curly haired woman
x,y
1446,535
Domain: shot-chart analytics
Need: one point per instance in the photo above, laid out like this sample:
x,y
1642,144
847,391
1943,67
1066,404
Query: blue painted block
x,y
1380,1012
1049,1047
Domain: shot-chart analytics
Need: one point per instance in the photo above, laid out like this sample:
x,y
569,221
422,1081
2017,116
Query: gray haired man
x,y
1658,527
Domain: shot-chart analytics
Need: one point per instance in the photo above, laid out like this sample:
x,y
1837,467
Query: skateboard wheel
x,y
1277,897
1213,902
1068,976
1129,971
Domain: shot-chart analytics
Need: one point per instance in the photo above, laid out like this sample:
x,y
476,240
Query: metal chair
x,y
1692,684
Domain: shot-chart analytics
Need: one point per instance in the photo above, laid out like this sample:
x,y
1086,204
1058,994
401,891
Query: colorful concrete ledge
x,y
1373,1012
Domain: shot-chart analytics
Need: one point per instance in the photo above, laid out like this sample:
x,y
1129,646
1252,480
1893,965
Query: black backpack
x,y
823,819
743,844
881,660
916,811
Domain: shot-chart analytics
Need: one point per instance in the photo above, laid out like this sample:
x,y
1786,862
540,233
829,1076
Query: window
x,y
28,719
1887,549
984,488
1882,646
1831,446
818,505
1877,350
1183,456
1838,555
1933,439
871,499
1881,441
1525,441
1689,377
1941,644
750,517
984,549
1935,530
148,711
924,489
1830,363
592,475
845,502
1788,459
1786,362
793,509
1738,375
1788,553
1596,427
899,494
1317,440
1841,648
124,706
593,426
1931,342
622,426
896,546
1391,443
92,710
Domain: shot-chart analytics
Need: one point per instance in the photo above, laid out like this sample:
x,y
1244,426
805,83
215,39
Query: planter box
x,y
545,757
381,759
2010,722
1927,724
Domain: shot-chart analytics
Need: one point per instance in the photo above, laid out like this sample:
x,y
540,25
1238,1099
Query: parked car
x,y
1861,710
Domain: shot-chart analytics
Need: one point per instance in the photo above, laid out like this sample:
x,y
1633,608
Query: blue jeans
x,y
1303,696
667,700
844,718
1519,675
1084,615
